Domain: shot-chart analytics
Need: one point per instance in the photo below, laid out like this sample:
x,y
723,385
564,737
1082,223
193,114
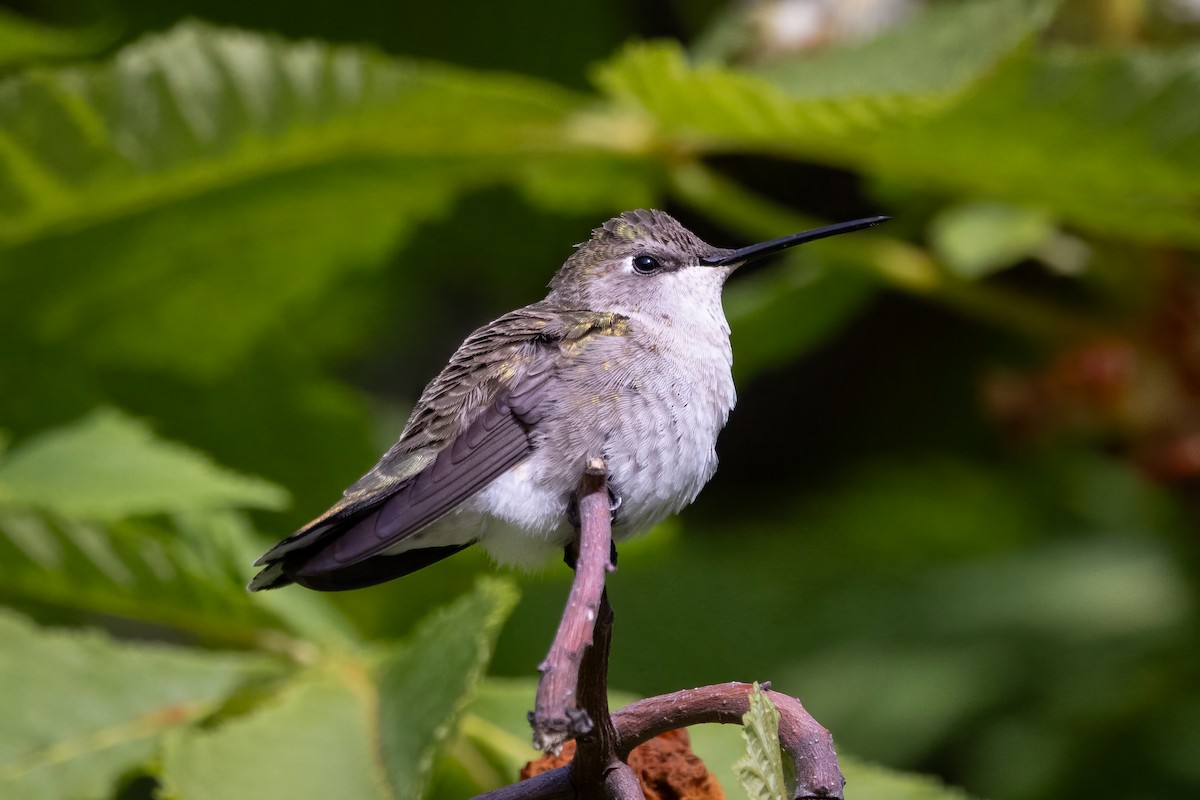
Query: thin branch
x,y
599,770
809,745
802,737
557,714
553,785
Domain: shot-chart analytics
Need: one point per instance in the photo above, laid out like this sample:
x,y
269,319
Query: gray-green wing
x,y
471,425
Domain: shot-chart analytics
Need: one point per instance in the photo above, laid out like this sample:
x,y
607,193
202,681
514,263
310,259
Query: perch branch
x,y
553,785
558,715
572,696
805,741
599,770
802,737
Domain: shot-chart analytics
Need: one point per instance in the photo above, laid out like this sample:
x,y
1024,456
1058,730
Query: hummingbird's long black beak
x,y
761,249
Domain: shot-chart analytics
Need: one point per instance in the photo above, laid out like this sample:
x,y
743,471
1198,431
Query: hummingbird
x,y
627,358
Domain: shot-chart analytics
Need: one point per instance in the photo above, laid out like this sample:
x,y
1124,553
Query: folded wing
x,y
472,424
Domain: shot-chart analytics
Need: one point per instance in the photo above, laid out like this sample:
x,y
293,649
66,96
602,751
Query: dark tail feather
x,y
368,572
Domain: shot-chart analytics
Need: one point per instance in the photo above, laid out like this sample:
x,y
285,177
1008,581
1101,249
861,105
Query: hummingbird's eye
x,y
646,264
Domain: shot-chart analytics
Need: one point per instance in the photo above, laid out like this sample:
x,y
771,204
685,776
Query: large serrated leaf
x,y
424,687
108,466
352,728
713,108
761,769
1040,116
23,40
188,573
807,105
78,710
199,108
1023,129
208,169
312,742
67,539
941,52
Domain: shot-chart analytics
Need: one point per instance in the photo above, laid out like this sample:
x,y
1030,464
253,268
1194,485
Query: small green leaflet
x,y
761,769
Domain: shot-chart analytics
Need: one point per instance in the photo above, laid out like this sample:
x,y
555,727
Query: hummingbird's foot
x,y
573,512
614,502
571,554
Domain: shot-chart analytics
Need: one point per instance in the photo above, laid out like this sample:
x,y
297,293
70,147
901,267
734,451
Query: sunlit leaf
x,y
713,108
315,741
77,709
205,183
807,105
24,40
940,52
189,574
976,239
1033,116
1029,136
109,466
356,724
494,741
67,540
424,687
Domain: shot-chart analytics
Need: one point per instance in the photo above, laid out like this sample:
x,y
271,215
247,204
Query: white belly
x,y
654,418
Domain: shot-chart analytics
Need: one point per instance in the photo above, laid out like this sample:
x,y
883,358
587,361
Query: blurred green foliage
x,y
957,507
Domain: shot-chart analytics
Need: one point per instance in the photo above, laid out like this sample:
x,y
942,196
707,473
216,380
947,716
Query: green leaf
x,y
494,740
979,238
761,769
23,40
424,688
1109,141
315,741
940,52
66,540
77,710
355,726
807,106
209,169
713,108
1115,130
189,574
108,466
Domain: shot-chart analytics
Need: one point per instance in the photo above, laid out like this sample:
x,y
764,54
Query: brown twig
x,y
802,737
553,785
557,714
599,770
572,697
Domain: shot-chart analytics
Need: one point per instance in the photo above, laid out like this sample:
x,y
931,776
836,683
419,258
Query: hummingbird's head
x,y
640,261
645,261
